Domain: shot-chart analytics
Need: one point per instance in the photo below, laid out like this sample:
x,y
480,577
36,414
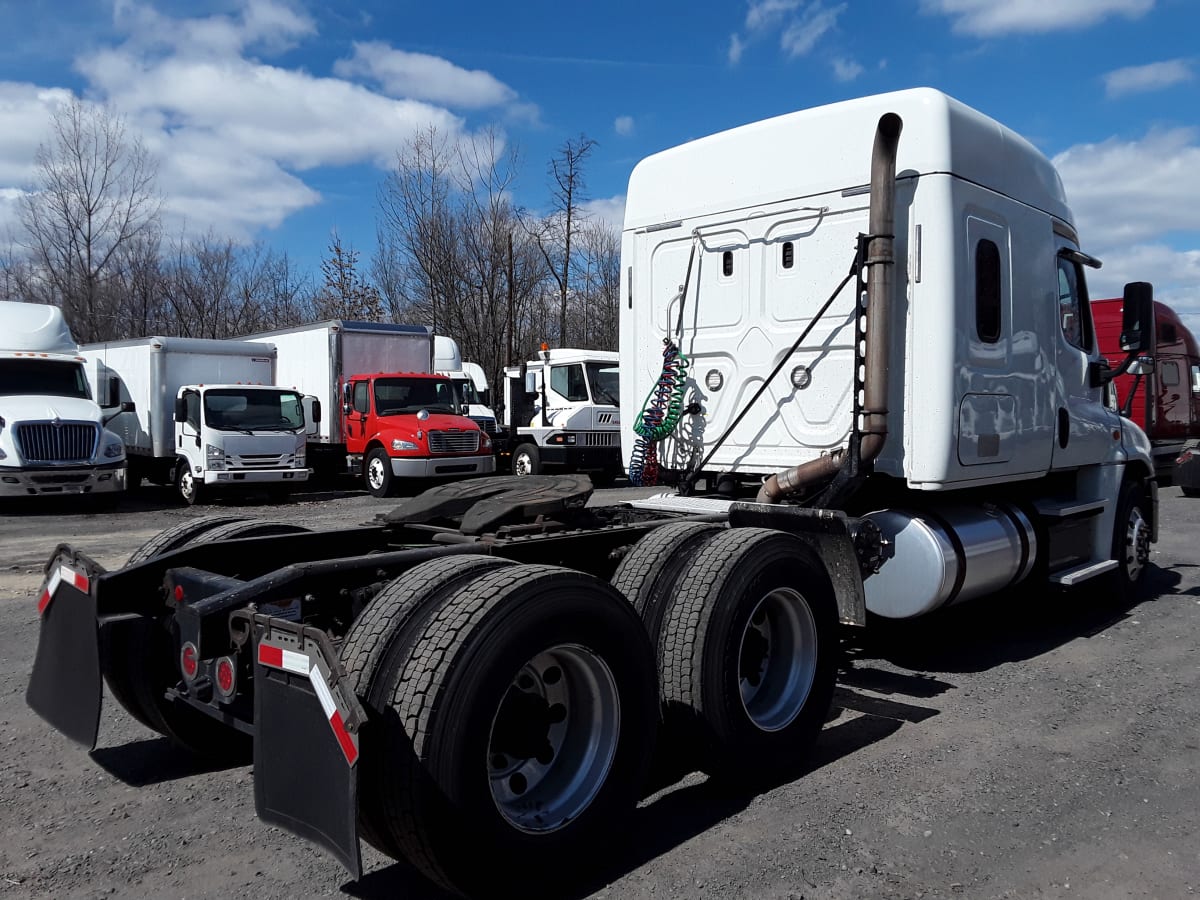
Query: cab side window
x,y
192,401
568,382
1072,305
361,401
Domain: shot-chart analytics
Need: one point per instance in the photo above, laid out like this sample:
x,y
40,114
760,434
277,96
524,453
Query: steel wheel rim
x,y
565,702
777,659
375,473
523,465
1137,544
187,484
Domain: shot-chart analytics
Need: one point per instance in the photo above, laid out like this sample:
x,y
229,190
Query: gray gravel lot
x,y
1037,744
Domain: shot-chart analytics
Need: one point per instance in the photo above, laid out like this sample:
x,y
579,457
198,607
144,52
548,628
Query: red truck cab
x,y
1165,400
406,425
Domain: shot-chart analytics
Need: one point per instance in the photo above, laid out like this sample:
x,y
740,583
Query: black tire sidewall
x,y
535,458
385,489
472,834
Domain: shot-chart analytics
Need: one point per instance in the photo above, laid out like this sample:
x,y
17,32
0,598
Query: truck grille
x,y
485,423
67,442
453,441
260,461
601,439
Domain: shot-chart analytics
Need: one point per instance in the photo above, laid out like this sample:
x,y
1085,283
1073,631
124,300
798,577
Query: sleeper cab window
x,y
987,291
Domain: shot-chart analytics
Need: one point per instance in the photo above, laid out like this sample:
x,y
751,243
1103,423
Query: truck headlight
x,y
112,447
484,441
215,457
562,438
398,444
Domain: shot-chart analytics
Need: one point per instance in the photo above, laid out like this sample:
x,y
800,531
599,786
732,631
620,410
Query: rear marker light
x,y
226,677
179,593
189,660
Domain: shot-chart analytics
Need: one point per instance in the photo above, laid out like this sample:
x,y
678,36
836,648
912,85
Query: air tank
x,y
935,558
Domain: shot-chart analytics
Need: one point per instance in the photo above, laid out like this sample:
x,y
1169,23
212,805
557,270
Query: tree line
x,y
453,251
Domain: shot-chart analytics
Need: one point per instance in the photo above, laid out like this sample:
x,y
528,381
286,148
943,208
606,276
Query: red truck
x,y
404,425
1162,392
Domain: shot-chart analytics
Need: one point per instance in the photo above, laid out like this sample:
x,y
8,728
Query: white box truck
x,y
201,414
52,436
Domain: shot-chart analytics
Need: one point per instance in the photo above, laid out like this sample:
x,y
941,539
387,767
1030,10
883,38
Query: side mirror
x,y
531,382
1100,373
128,406
1143,365
180,409
1137,320
316,412
347,408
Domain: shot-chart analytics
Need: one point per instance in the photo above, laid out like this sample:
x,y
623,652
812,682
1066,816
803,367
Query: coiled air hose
x,y
660,414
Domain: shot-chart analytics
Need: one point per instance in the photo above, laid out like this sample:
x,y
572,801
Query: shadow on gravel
x,y
682,806
1008,627
154,761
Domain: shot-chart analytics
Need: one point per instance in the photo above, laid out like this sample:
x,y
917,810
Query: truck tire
x,y
381,639
648,573
1131,540
526,460
1190,491
524,664
140,663
377,473
748,654
187,487
178,536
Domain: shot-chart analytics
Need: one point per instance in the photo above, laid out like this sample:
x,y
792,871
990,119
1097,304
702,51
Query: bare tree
x,y
345,294
568,191
597,295
94,194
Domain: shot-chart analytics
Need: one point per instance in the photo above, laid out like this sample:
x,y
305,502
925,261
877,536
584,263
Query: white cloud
x,y
989,18
623,126
24,124
264,24
420,76
609,209
736,48
1152,77
800,23
846,69
1134,202
802,34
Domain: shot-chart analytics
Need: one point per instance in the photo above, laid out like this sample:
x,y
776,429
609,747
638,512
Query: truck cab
x,y
53,440
562,413
406,425
238,435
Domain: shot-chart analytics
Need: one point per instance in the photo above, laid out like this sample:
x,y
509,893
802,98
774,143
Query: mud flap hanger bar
x,y
306,735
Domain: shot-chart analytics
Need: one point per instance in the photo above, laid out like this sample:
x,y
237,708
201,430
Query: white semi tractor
x,y
201,414
470,382
53,439
562,413
858,340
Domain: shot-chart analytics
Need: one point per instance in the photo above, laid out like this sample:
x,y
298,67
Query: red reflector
x,y
189,660
179,593
343,738
270,656
1185,456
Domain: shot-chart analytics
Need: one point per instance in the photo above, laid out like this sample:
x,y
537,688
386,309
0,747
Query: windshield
x,y
605,380
467,392
247,409
42,376
401,396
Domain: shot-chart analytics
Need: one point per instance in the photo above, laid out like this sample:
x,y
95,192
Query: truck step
x,y
1053,508
671,502
1082,573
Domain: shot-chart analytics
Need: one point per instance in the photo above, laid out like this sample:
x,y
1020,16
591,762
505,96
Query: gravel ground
x,y
1036,744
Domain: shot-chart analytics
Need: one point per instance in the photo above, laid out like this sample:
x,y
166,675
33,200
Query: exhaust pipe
x,y
880,264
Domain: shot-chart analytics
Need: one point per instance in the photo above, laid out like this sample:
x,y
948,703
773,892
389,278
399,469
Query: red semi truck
x,y
1161,392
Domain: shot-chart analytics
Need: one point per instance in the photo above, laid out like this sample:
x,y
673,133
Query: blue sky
x,y
276,119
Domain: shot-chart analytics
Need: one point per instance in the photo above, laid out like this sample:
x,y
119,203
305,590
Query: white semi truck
x,y
53,440
201,414
856,337
562,414
470,382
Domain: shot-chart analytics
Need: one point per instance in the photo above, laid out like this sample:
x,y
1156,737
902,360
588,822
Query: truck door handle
x,y
1064,427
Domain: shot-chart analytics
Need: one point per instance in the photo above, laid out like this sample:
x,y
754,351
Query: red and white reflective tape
x,y
77,580
291,661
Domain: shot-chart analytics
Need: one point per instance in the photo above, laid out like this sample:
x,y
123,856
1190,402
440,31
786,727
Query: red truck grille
x,y
453,441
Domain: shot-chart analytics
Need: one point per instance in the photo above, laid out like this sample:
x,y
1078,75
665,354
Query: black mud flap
x,y
306,721
66,686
